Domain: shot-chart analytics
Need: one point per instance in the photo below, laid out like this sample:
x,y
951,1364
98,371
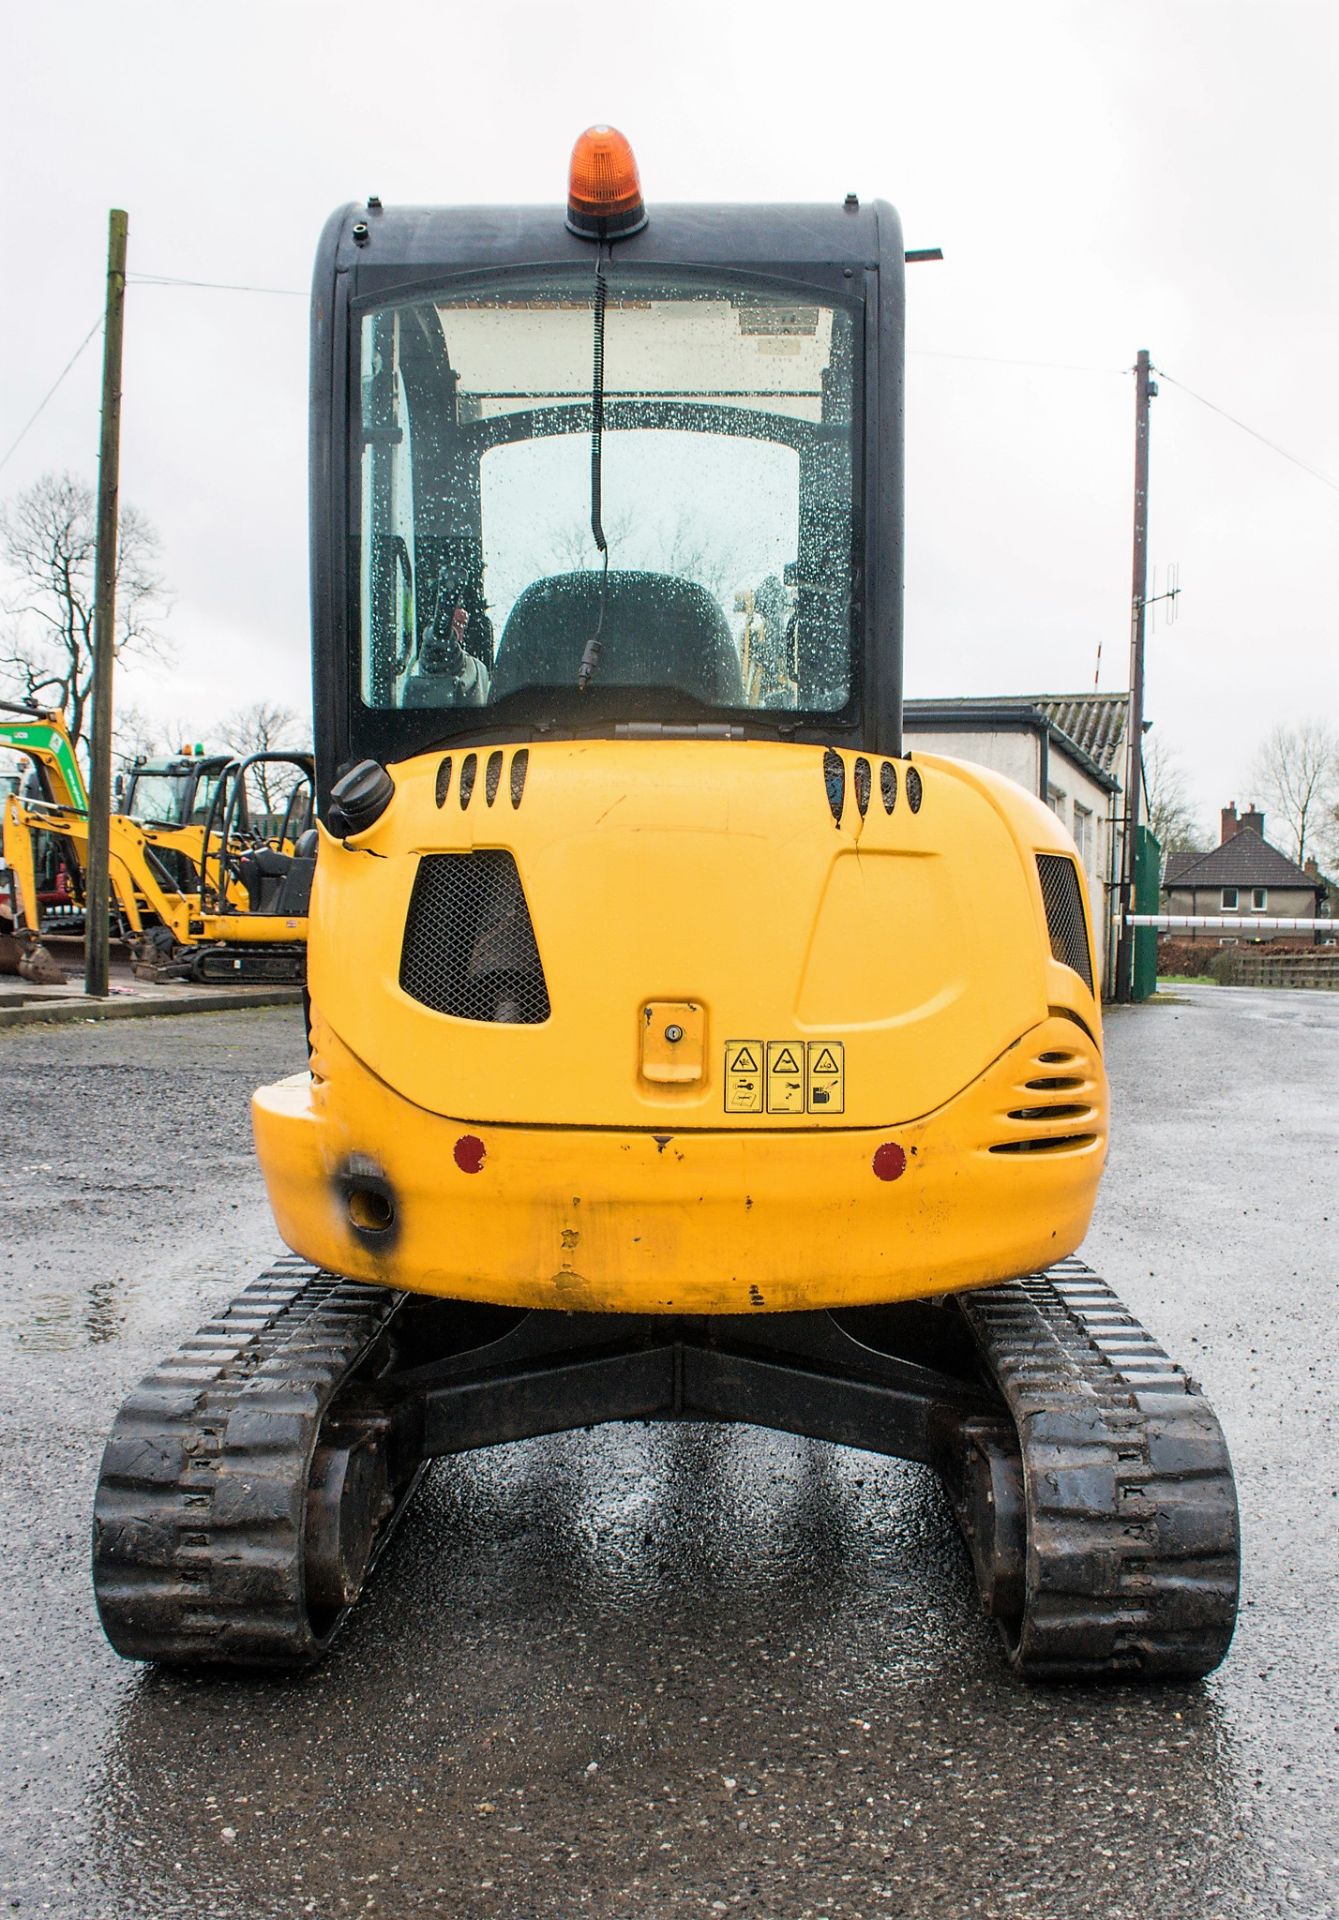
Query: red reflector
x,y
890,1162
469,1153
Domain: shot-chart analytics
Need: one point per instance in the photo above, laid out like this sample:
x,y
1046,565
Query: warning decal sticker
x,y
827,1076
785,1076
743,1076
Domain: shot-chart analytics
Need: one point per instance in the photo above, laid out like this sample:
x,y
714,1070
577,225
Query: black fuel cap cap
x,y
359,798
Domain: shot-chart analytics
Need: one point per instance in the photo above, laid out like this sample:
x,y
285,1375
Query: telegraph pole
x,y
97,893
1144,390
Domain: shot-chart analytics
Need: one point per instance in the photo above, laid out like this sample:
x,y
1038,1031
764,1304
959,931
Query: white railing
x,y
1247,923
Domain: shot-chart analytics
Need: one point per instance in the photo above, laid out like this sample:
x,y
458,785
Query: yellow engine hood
x,y
709,876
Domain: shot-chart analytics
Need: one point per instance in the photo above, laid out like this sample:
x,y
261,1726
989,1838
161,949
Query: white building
x,y
1068,749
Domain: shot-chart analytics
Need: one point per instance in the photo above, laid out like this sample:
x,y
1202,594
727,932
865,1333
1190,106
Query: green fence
x,y
1147,899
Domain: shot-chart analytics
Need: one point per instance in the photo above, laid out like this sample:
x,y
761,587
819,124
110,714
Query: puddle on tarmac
x,y
52,1319
69,1302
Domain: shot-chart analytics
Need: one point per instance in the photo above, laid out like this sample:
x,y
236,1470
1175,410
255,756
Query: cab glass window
x,y
722,479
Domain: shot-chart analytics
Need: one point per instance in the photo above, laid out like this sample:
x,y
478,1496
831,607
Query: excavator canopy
x,y
564,489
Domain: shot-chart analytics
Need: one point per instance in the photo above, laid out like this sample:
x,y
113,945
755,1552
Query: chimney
x,y
1230,823
1309,867
1254,819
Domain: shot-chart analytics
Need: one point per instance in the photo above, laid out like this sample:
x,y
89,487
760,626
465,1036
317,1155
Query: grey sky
x,y
1102,175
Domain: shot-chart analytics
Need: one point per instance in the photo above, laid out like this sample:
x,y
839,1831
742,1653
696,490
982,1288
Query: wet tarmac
x,y
667,1672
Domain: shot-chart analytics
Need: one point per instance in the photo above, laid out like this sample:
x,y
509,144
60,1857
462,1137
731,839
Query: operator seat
x,y
278,882
659,631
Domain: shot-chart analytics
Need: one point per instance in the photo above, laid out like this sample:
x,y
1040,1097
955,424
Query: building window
x,y
1055,800
1259,899
1229,899
1083,833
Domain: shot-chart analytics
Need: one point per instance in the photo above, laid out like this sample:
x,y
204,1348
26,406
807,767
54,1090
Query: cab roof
x,y
826,243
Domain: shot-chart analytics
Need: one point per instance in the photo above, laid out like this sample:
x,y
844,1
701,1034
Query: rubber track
x,y
1133,1545
250,965
198,1521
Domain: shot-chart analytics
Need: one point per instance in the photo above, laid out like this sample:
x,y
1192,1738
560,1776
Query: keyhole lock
x,y
673,1042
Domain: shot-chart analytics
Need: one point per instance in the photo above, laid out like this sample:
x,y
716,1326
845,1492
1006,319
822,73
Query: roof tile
x,y
1093,721
1092,725
1244,860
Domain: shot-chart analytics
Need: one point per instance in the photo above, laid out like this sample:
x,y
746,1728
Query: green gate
x,y
1147,899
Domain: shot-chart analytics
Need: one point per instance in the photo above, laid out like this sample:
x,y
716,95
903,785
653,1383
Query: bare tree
x,y
1327,837
1170,812
1297,773
134,737
264,727
687,548
697,553
573,548
48,538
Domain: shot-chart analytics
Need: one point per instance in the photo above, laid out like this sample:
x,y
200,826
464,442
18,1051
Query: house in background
x,y
1068,749
1246,877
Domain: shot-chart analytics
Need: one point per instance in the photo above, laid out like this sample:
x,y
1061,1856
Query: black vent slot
x,y
1047,1143
469,943
1062,896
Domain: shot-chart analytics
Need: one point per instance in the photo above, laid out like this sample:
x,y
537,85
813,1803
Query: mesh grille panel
x,y
1062,896
469,945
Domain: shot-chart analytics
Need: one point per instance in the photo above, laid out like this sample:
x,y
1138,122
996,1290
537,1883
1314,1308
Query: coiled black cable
x,y
590,657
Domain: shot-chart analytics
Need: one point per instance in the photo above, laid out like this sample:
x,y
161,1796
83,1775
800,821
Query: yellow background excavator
x,y
204,886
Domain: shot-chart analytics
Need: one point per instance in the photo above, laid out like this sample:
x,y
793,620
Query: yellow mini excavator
x,y
41,866
203,887
680,1047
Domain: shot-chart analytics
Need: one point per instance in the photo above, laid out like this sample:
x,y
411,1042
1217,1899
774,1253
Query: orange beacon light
x,y
604,193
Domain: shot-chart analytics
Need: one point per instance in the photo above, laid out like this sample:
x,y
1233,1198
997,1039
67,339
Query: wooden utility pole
x,y
1144,390
97,895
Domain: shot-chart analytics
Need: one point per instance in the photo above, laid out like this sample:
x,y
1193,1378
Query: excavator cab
x,y
576,490
172,793
680,1047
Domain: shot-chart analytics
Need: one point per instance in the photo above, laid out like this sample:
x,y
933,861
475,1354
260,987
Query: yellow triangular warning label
x,y
743,1062
785,1062
825,1063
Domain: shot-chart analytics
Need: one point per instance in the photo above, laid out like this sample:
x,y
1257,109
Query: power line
x,y
215,286
142,280
60,376
1000,360
1273,445
1063,366
919,353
